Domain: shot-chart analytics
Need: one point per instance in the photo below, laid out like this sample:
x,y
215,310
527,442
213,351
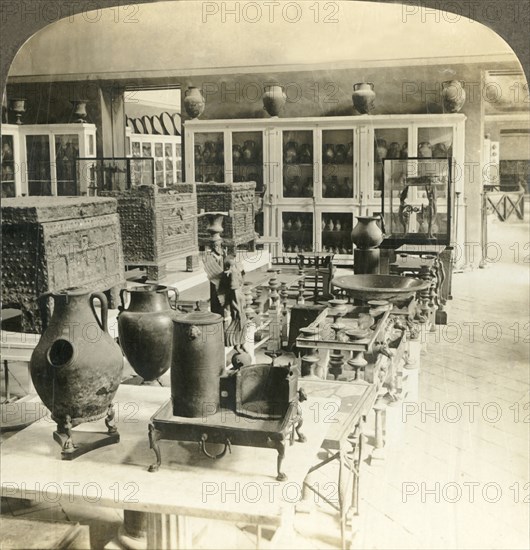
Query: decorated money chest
x,y
50,244
159,225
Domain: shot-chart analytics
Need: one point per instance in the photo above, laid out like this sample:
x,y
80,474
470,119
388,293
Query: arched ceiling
x,y
197,37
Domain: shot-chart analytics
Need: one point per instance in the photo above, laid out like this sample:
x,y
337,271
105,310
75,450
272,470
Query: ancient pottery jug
x,y
198,362
394,150
367,234
305,154
328,154
274,99
79,106
193,102
198,153
291,152
219,153
453,95
439,151
425,150
340,154
208,152
76,366
363,97
349,155
249,151
236,153
381,148
145,329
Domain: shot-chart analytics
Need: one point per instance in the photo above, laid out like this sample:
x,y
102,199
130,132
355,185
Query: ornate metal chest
x,y
53,243
159,225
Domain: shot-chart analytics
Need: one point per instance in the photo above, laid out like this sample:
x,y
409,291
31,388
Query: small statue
x,y
213,265
234,300
404,209
431,209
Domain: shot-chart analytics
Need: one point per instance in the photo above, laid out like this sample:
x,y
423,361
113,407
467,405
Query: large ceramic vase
x,y
193,102
76,367
198,362
453,95
146,329
363,97
274,99
367,234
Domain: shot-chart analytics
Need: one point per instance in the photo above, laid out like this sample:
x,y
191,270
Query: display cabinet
x,y
48,154
11,180
321,169
166,152
418,200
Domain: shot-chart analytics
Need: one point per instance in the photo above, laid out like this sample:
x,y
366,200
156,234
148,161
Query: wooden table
x,y
240,487
443,253
343,440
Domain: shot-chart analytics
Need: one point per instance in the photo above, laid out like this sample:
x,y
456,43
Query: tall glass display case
x,y
418,200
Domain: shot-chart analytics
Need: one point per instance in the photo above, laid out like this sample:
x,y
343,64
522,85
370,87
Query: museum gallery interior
x,y
265,280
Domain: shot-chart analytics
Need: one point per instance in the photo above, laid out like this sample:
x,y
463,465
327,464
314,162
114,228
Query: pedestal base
x,y
84,442
366,261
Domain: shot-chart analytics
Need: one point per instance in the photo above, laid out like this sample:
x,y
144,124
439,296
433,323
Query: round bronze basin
x,y
393,288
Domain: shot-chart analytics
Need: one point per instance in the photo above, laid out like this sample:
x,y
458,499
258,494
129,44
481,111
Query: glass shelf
x,y
297,167
337,164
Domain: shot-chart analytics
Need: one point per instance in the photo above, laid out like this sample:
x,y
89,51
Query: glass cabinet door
x,y
337,164
159,163
297,165
389,143
336,232
247,158
209,157
66,153
8,166
169,163
297,232
38,165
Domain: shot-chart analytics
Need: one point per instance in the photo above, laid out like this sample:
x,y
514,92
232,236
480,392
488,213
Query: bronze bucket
x,y
197,364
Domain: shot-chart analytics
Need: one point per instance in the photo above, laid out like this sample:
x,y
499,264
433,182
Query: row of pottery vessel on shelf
x,y
248,153
453,96
330,225
332,187
396,151
337,153
296,248
210,152
295,153
294,187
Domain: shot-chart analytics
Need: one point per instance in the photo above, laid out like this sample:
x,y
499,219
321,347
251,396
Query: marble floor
x,y
456,470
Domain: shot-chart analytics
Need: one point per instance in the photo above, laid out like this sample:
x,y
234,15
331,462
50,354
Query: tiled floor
x,y
456,473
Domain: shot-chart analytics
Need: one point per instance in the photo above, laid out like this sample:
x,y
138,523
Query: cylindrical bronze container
x,y
198,362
